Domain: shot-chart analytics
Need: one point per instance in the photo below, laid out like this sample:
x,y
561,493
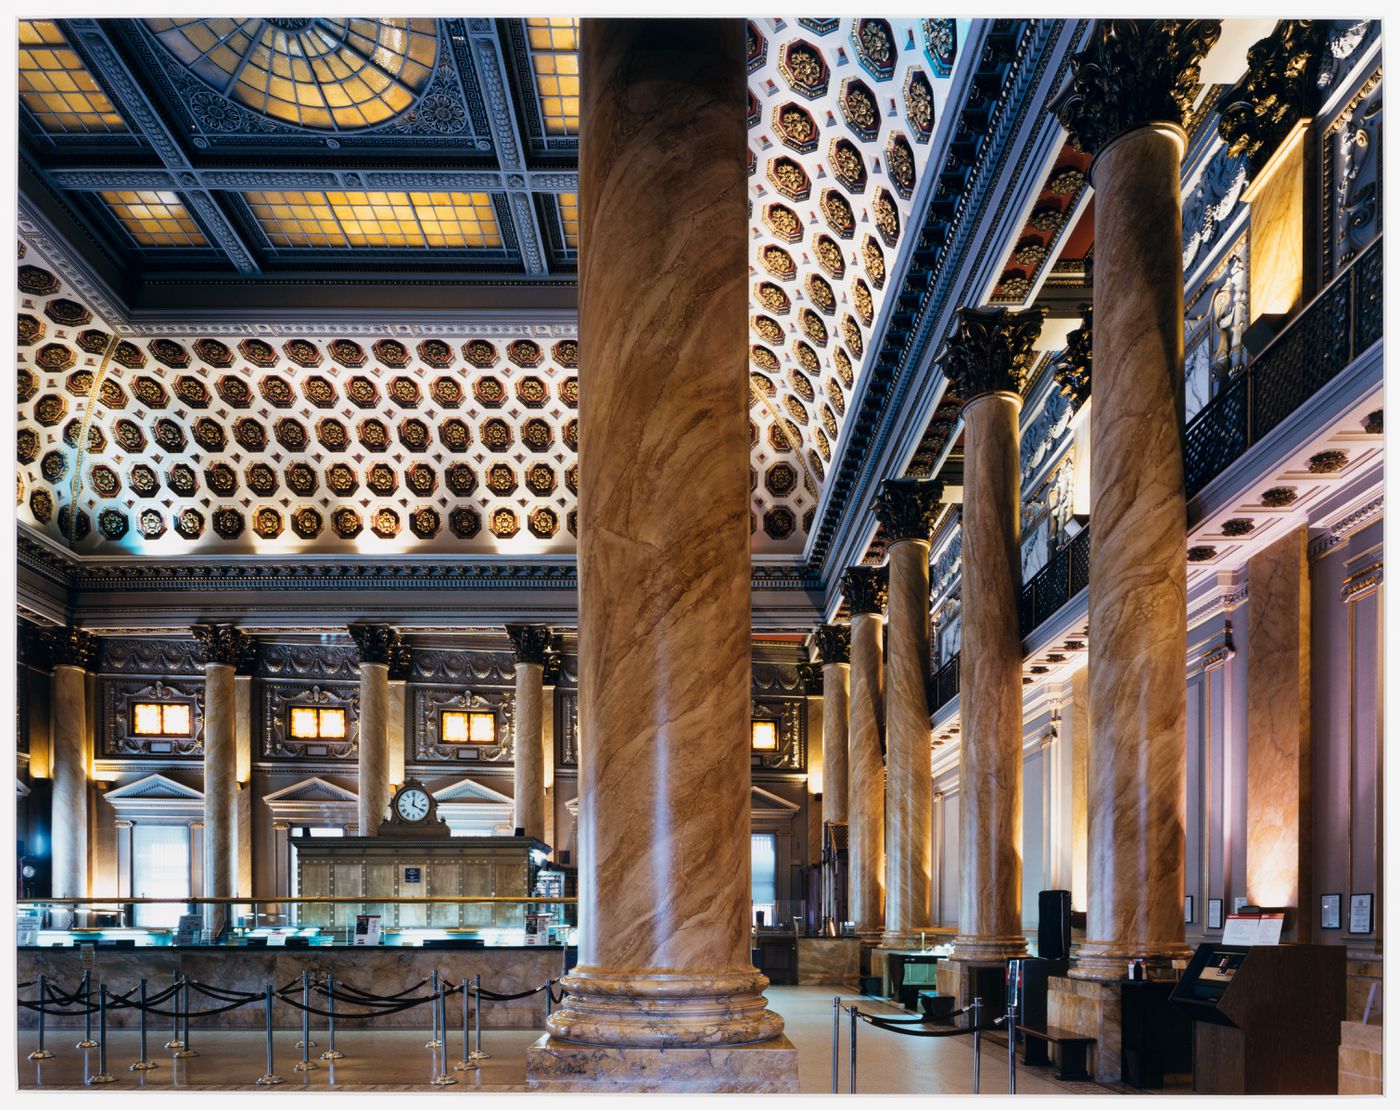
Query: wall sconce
x,y
472,726
149,718
765,736
311,723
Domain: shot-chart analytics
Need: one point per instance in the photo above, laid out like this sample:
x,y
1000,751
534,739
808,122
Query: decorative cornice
x,y
1133,72
376,643
1357,585
70,647
226,644
989,350
1339,530
531,642
907,508
1074,368
866,588
810,675
833,642
1277,90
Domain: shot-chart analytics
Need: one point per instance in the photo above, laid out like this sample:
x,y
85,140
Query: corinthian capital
x,y
866,588
833,642
1277,90
532,642
810,676
1132,73
70,647
222,643
989,350
908,507
1074,367
377,643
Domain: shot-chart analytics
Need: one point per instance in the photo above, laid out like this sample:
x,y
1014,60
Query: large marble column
x,y
907,509
809,678
664,576
224,647
984,360
532,643
398,731
1130,90
866,591
72,652
377,644
833,643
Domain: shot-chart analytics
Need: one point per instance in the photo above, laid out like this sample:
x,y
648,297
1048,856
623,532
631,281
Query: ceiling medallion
x,y
301,479
382,479
27,445
182,480
772,298
860,110
435,353
820,293
228,524
544,522
789,178
829,255
566,353
532,391
341,479
783,222
455,435
306,523
539,479
414,434
848,165
348,353
874,259
41,505
447,392
250,434
391,353
804,68
489,392
169,353
346,523
525,352
385,523
465,523
267,523
778,262
112,523
461,480
504,523
303,352
796,127
918,104
257,352
480,353
234,391
425,522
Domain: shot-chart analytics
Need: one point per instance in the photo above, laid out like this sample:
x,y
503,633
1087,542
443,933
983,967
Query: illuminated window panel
x,y
323,73
765,736
313,723
56,86
155,219
161,719
554,63
472,726
568,216
376,220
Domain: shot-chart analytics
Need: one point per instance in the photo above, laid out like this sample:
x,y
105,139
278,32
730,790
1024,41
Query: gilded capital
x,y
1277,90
990,350
1075,365
1134,72
553,666
377,643
810,676
532,642
400,662
70,647
222,643
866,588
833,642
907,508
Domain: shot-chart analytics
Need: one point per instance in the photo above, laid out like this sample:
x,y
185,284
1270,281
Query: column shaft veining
x,y
866,591
532,643
223,646
72,652
1131,88
664,672
833,642
377,644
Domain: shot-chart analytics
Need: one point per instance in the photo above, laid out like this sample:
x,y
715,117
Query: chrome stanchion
x,y
852,1069
477,1053
42,1053
976,1045
548,997
1015,970
186,1048
443,1078
331,1053
143,1064
269,1078
466,1063
102,1076
305,1063
175,1043
436,1041
835,1042
87,1041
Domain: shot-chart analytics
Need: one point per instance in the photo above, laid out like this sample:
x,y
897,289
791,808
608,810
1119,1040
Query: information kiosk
x,y
1268,1018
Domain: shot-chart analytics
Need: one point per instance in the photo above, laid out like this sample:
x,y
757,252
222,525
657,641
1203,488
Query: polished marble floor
x,y
887,1063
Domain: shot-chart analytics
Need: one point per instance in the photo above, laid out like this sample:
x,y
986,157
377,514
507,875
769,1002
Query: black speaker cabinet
x,y
1054,925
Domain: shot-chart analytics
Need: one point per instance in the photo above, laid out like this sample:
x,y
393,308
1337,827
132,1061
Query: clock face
x,y
412,805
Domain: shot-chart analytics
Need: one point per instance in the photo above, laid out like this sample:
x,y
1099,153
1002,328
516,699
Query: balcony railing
x,y
1317,345
1055,583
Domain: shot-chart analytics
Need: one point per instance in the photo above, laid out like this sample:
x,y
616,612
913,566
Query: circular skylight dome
x,y
322,73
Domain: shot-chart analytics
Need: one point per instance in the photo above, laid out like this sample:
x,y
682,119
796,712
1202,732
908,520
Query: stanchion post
x,y
102,1076
1014,984
331,1053
175,1043
87,1041
269,1078
835,1042
976,1045
42,1053
186,1048
851,1080
477,1053
305,1063
466,1063
305,1000
143,1064
436,1039
443,1078
548,997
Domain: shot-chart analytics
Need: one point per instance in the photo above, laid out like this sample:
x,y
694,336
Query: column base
x,y
912,938
1092,1009
767,1067
1107,961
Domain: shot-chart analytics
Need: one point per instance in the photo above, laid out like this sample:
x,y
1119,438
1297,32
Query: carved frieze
x,y
1207,208
119,739
428,704
990,350
775,678
474,668
277,700
120,655
792,734
313,661
908,508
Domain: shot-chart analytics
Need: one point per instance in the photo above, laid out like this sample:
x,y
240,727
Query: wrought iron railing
x,y
1317,345
944,684
1055,583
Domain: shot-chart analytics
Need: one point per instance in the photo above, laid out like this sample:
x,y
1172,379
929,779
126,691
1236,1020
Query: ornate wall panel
x,y
119,741
275,700
119,655
791,717
428,704
1351,177
566,727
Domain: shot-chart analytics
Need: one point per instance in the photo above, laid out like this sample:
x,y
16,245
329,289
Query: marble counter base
x,y
385,971
829,960
767,1067
1361,1059
1091,1009
955,977
1363,973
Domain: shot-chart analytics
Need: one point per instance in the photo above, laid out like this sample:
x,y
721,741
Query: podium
x,y
1268,1018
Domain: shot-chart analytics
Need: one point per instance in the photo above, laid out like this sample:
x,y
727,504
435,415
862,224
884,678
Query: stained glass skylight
x,y
154,218
56,86
568,216
554,62
376,220
329,74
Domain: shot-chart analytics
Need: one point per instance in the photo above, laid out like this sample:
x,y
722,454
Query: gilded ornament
x,y
778,262
918,104
189,523
104,481
261,479
373,433
863,302
26,445
79,383
829,255
303,352
169,435
306,523
381,479
1047,219
489,392
111,395
829,421
143,480
496,435
806,357
228,524
544,522
151,524
804,68
874,42
257,352
276,391
762,357
842,362
500,479
539,479
91,340
989,350
795,409
524,352
50,409
209,434
129,355
465,523
1030,254
1200,553
1327,462
782,221
537,435
250,434
768,329
112,523
150,393
763,384
405,392
435,353
222,479
780,479
1074,368
267,523
571,473
886,217
290,433
56,358
41,505
865,588
874,259
504,523
1278,497
391,352
234,391
425,522
568,391
820,293
850,332
480,353
345,523
835,396
348,353
789,178
899,162
37,282
455,435
795,127
169,353
565,353
837,210
531,391
859,108
801,385
414,434
823,446
1014,288
813,327
1238,526
779,522
341,479
772,297
385,522
447,392
301,479
31,329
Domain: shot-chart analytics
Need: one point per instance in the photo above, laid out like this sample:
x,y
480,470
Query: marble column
x,y
1128,94
553,668
532,643
907,509
398,731
809,678
1278,807
377,644
865,589
664,576
72,653
243,746
985,359
833,643
224,646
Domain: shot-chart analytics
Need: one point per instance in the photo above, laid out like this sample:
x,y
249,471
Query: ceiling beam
x,y
278,176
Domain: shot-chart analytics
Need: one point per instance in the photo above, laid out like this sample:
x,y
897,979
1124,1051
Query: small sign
x,y
277,940
367,929
1240,904
188,929
1331,911
1253,928
1190,909
89,956
1215,912
27,925
412,874
1360,914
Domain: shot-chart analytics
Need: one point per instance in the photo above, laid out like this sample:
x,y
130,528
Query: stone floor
x,y
887,1063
